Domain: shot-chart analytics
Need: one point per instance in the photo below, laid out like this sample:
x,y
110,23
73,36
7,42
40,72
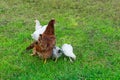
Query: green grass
x,y
91,26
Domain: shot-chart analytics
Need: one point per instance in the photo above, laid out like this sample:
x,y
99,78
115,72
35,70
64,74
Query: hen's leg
x,y
45,61
56,59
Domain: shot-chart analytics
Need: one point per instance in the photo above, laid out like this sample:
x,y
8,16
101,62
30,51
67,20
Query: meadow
x,y
92,27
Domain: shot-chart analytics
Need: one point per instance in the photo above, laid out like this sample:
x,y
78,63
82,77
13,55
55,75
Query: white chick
x,y
68,51
57,52
38,30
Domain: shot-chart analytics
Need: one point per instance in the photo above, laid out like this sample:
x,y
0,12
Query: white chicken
x,y
68,51
38,30
57,52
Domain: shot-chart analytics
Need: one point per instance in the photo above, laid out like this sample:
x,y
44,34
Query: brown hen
x,y
47,41
44,46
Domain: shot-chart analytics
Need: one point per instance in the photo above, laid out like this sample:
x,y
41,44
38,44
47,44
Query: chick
x,y
68,51
57,52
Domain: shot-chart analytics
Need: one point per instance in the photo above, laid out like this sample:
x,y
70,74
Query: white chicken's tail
x,y
37,25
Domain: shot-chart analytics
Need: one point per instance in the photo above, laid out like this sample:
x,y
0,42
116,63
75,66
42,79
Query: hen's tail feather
x,y
31,46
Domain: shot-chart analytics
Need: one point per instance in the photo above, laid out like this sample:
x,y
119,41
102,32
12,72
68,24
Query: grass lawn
x,y
91,26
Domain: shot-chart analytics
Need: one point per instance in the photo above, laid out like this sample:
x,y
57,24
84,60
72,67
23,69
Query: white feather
x,y
68,51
